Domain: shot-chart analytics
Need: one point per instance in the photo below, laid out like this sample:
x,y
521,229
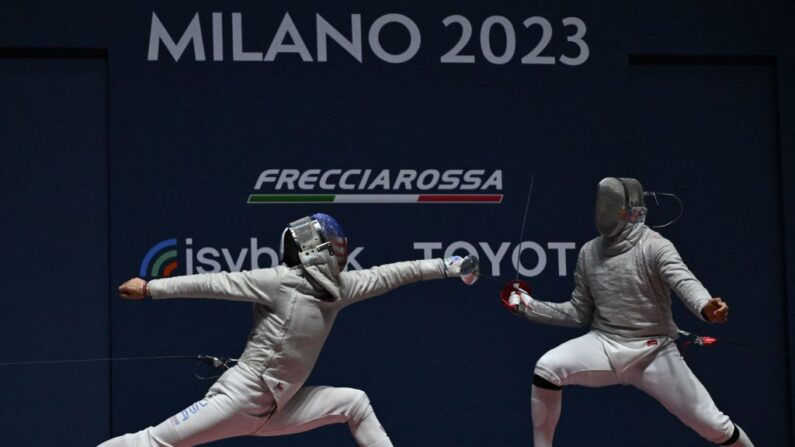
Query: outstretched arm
x,y
257,286
362,284
576,312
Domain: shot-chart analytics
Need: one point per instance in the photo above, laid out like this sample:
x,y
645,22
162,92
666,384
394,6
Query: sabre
x,y
524,219
214,361
518,285
705,340
95,360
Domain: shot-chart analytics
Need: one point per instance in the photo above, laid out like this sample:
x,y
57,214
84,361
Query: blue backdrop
x,y
131,123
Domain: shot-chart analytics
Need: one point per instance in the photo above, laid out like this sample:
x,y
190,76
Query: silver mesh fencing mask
x,y
619,201
320,240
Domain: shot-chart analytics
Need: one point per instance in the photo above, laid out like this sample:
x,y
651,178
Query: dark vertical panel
x,y
708,130
53,234
787,146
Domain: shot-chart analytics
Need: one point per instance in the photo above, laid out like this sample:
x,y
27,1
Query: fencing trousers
x,y
239,404
653,365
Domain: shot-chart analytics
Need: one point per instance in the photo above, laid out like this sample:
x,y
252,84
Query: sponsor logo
x,y
385,186
160,261
529,258
170,257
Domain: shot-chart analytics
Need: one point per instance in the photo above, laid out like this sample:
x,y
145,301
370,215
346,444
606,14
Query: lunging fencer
x,y
295,305
623,282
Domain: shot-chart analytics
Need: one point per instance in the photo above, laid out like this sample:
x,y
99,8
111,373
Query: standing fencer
x,y
295,305
623,282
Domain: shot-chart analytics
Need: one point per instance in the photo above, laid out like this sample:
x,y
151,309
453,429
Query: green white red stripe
x,y
373,198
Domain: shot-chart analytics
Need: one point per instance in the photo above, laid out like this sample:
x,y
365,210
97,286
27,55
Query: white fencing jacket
x,y
623,287
294,309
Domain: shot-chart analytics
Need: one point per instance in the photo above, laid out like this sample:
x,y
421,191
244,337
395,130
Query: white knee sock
x,y
128,440
365,427
743,440
545,406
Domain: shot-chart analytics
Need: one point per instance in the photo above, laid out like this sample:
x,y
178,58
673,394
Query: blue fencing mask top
x,y
319,240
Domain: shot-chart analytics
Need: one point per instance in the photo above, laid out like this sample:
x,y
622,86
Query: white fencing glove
x,y
516,294
467,268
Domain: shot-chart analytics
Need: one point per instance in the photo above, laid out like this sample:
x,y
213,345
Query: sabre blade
x,y
524,219
95,360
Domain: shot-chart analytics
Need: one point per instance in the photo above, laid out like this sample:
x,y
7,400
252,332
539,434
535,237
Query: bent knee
x,y
351,395
355,402
541,382
548,372
716,428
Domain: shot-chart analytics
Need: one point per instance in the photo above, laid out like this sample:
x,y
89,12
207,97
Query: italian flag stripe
x,y
374,198
461,198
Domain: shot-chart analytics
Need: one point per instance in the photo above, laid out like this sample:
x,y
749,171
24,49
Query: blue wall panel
x,y
444,364
54,233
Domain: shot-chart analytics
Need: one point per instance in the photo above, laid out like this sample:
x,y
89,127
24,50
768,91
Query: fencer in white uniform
x,y
623,282
295,305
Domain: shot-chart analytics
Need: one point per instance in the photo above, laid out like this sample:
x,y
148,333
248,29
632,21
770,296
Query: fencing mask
x,y
313,240
619,201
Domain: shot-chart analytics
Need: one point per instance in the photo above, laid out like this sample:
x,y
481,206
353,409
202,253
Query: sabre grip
x,y
514,294
215,362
